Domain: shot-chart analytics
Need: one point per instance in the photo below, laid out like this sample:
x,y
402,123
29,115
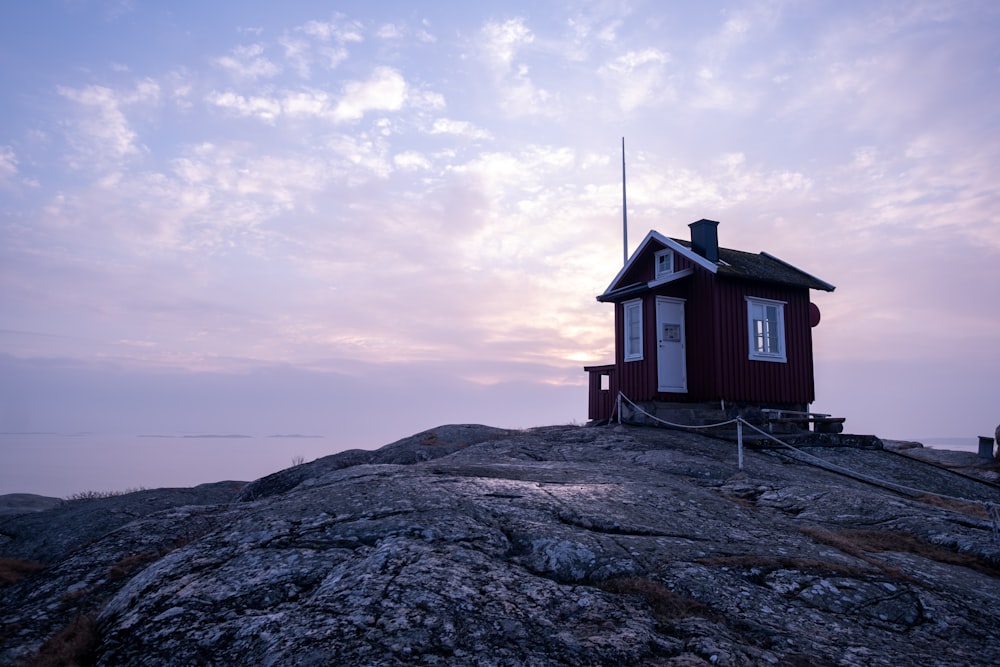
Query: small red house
x,y
698,323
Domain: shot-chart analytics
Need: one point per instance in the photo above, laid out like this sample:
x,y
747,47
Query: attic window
x,y
766,324
664,260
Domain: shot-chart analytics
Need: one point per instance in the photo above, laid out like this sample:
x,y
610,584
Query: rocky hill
x,y
469,545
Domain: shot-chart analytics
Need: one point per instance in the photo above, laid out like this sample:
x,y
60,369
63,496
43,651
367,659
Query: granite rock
x,y
467,545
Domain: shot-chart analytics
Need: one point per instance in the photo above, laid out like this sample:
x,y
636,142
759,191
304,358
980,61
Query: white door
x,y
670,349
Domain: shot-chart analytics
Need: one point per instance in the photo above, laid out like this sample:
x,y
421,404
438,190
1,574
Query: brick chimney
x,y
705,239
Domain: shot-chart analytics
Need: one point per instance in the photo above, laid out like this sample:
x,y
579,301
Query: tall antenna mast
x,y
624,211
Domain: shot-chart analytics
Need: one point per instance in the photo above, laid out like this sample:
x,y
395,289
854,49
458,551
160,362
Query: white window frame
x,y
657,272
627,329
759,339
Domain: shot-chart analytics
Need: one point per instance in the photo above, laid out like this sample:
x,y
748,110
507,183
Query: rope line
x,y
994,514
992,510
671,424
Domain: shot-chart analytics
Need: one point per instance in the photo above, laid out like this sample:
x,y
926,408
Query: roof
x,y
738,264
765,267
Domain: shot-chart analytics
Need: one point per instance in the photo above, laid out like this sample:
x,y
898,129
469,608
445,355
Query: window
x,y
766,323
633,329
664,263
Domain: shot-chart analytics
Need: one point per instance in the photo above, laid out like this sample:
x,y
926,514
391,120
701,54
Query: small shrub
x,y
13,570
95,495
665,604
75,644
298,460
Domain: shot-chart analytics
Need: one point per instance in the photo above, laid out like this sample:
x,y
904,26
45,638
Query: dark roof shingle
x,y
763,267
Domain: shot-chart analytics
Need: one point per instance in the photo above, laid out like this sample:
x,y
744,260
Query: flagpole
x,y
624,211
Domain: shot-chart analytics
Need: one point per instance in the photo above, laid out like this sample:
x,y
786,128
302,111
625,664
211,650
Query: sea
x,y
958,444
64,464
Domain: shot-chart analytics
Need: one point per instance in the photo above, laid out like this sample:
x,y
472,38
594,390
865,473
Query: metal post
x,y
739,441
619,399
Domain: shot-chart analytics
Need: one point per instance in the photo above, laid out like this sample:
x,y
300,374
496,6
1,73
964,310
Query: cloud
x,y
638,78
744,25
306,103
8,166
349,31
263,108
103,133
360,156
500,42
385,90
248,62
395,32
517,94
521,97
331,51
297,53
411,160
389,31
460,128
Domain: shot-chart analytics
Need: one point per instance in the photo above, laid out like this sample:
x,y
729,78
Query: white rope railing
x,y
622,396
992,511
738,421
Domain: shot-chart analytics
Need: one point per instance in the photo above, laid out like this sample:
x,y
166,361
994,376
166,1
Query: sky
x,y
361,220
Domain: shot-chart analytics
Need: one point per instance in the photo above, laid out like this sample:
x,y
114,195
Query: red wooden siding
x,y
634,378
717,344
740,378
601,401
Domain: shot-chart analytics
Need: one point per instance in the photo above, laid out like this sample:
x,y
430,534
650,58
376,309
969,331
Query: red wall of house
x,y
717,342
742,379
636,379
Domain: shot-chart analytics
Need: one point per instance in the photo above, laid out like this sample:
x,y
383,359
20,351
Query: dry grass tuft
x,y
74,645
665,604
13,570
861,542
737,500
972,509
771,563
126,565
71,596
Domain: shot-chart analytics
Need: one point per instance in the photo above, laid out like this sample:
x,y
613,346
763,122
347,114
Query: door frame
x,y
683,387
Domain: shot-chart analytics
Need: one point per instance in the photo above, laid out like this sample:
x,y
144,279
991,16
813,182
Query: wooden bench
x,y
821,423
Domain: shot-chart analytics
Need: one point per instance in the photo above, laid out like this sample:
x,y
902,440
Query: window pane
x,y
767,336
633,331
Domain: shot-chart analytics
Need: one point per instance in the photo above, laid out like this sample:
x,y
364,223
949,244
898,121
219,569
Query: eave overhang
x,y
623,293
820,284
666,242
